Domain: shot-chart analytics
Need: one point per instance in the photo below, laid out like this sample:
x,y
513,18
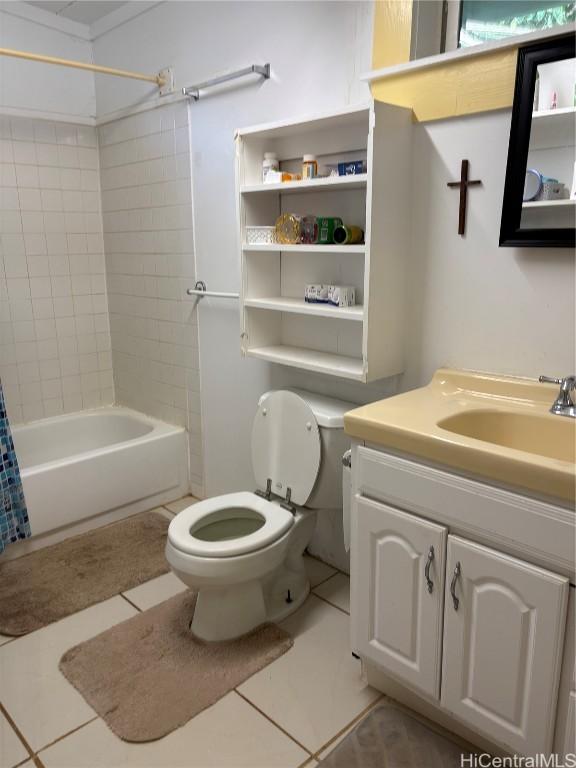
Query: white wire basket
x,y
260,235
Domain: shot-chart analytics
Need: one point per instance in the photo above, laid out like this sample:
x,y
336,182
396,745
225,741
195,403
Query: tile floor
x,y
288,715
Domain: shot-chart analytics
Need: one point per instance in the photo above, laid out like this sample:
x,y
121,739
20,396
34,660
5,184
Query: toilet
x,y
243,552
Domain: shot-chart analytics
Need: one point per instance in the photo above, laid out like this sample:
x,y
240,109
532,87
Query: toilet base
x,y
227,612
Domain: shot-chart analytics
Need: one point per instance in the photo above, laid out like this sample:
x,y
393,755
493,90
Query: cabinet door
x,y
397,601
565,739
503,637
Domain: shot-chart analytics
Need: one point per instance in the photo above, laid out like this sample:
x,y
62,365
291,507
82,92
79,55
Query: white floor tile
x,y
315,689
38,697
317,571
155,591
12,751
231,734
337,591
180,504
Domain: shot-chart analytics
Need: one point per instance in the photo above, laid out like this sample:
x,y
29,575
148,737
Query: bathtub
x,y
92,463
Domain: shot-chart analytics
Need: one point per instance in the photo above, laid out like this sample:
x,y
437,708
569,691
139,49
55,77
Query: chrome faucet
x,y
563,405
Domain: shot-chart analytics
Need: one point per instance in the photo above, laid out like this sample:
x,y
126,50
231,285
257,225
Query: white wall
x,y
472,304
317,50
41,87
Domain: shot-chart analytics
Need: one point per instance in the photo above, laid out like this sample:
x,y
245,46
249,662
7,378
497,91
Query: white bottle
x,y
270,163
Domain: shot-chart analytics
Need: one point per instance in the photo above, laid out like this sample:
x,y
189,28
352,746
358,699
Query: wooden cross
x,y
463,185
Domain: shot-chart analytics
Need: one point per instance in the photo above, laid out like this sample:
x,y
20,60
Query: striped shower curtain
x,y
14,524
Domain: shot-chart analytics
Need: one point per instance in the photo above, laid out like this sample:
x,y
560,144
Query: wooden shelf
x,y
357,181
311,360
549,204
302,248
301,307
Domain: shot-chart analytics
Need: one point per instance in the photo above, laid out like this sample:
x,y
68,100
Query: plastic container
x,y
270,163
309,167
260,235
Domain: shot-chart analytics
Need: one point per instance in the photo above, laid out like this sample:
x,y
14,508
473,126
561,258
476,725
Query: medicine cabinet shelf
x,y
549,203
364,342
552,128
302,248
357,181
311,360
301,307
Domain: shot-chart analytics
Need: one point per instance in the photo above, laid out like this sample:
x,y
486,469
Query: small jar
x,y
309,167
270,163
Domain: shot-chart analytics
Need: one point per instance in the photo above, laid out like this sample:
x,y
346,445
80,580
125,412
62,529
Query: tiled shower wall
x,y
148,235
54,334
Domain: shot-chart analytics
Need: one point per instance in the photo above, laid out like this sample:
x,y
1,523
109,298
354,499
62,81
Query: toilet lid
x,y
286,445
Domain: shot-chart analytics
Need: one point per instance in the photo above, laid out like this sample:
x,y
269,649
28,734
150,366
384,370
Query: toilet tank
x,y
329,413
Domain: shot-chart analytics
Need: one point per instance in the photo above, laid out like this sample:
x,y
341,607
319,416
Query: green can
x,y
326,227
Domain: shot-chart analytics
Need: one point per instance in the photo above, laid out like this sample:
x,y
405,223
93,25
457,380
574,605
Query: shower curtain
x,y
14,524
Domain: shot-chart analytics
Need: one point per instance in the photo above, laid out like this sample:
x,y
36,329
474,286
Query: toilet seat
x,y
276,521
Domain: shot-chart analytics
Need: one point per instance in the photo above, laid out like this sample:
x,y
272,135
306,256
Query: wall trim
x,y
136,109
55,117
47,19
419,65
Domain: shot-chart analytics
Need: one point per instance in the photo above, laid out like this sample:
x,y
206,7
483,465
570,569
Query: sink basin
x,y
553,437
495,428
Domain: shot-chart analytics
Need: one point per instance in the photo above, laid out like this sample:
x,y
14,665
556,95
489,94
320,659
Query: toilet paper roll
x,y
346,504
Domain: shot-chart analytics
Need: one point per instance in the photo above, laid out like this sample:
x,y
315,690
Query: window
x,y
483,21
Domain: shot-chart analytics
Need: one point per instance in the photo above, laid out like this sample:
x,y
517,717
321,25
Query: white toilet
x,y
242,552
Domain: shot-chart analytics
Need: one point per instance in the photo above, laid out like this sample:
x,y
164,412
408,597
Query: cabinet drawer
x,y
534,530
397,589
503,640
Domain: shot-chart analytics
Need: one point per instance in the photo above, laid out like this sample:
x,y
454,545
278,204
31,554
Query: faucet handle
x,y
549,380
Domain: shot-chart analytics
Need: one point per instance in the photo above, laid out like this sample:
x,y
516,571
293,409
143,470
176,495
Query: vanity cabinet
x,y
479,634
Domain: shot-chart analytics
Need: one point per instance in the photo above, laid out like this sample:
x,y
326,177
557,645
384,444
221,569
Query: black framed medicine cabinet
x,y
539,205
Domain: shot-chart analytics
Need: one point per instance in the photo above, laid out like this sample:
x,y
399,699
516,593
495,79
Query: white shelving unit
x,y
364,342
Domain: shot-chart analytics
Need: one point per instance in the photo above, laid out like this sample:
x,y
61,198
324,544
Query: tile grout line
x,y
325,600
16,730
280,728
352,722
121,594
65,735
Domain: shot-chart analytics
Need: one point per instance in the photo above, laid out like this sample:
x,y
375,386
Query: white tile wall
x,y
148,236
55,349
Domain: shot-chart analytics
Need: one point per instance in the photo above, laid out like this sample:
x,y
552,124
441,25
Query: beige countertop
x,y
490,426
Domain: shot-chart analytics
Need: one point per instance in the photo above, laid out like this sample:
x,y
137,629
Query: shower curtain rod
x,y
158,79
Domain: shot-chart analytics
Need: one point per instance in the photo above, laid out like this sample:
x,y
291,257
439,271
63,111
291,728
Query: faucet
x,y
563,405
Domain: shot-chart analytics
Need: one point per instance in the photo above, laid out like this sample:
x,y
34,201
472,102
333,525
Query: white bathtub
x,y
88,464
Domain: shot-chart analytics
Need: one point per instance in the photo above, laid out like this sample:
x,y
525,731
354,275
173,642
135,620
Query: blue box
x,y
352,168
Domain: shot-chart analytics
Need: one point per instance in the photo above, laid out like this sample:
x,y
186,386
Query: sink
x,y
551,436
491,427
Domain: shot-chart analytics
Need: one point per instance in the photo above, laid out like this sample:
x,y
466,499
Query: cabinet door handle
x,y
455,600
429,582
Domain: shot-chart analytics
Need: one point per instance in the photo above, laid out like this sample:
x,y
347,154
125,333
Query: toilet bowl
x,y
243,552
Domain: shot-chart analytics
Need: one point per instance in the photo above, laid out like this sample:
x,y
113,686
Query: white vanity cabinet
x,y
484,647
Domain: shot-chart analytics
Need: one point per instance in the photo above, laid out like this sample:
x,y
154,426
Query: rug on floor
x,y
390,737
149,675
54,582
